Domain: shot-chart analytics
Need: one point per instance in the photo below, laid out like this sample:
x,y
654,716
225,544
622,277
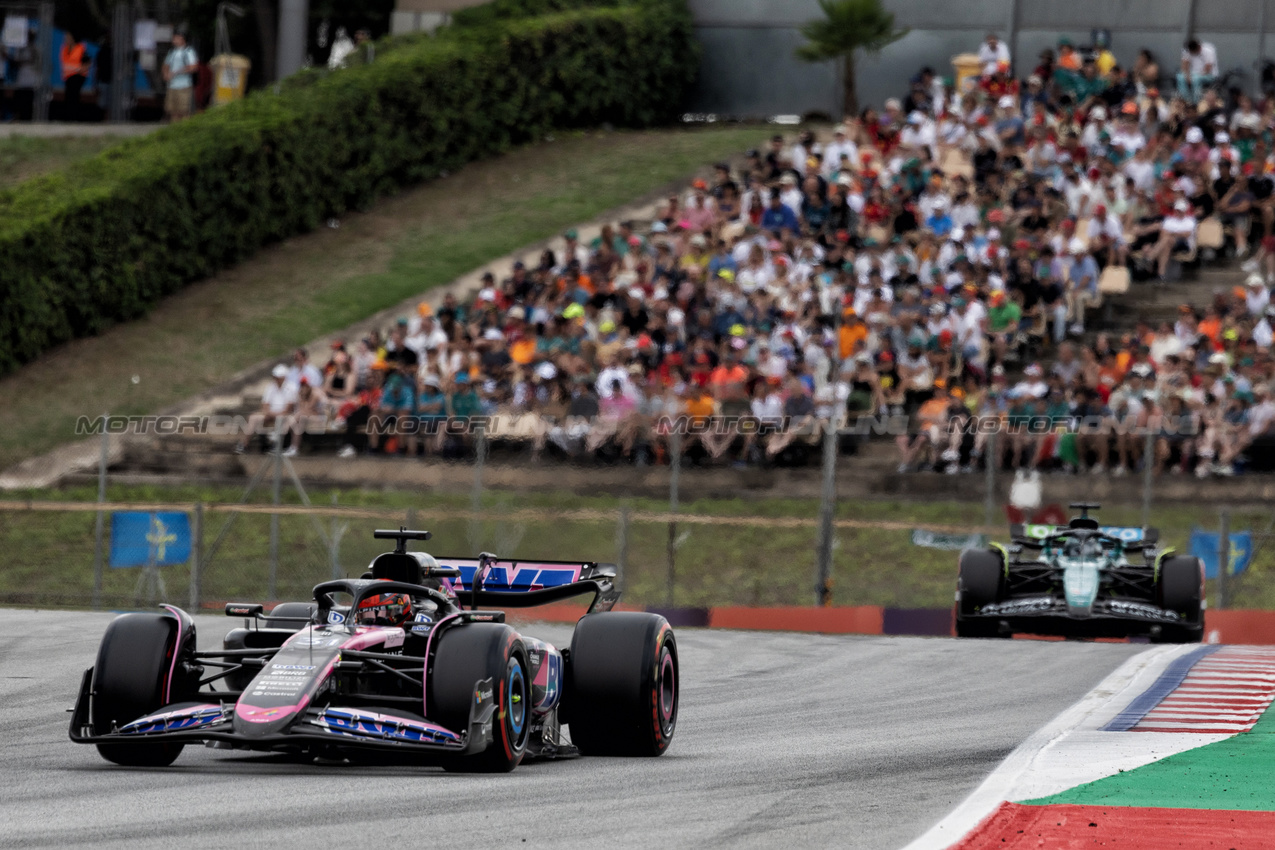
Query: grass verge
x,y
23,157
50,555
315,284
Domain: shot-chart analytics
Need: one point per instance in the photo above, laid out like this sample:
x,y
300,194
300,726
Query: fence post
x,y
43,90
990,461
476,535
196,555
827,509
1223,558
621,544
98,528
122,66
335,548
675,472
274,517
1148,462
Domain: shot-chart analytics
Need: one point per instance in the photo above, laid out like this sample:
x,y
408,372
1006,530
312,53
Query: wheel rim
x,y
516,711
666,690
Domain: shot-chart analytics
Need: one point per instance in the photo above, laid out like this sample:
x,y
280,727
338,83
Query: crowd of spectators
x,y
938,261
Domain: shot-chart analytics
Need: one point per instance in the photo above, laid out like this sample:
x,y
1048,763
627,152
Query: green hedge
x,y
102,241
498,10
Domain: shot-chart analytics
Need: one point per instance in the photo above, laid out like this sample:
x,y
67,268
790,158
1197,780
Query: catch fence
x,y
839,528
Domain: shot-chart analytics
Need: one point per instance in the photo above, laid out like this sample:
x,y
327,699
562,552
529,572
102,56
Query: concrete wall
x,y
425,15
749,68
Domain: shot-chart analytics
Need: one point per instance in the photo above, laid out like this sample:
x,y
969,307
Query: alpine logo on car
x,y
525,577
335,618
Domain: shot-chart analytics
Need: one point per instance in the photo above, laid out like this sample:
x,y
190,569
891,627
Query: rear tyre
x,y
622,685
129,680
1179,591
465,655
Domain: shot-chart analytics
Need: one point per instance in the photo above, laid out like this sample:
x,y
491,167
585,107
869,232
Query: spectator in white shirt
x,y
1105,233
1199,69
1177,233
1141,169
791,194
919,134
991,53
1264,332
839,146
277,400
303,368
1256,296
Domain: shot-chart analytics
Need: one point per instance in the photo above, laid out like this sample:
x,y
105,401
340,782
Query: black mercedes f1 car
x,y
1081,580
408,661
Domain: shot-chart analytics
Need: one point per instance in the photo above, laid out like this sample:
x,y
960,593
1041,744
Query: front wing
x,y
333,726
1050,616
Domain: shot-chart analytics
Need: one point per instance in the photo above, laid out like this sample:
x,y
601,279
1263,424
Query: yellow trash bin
x,y
967,67
230,77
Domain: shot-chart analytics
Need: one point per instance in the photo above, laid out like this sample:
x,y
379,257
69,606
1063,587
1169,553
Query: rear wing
x,y
516,583
1129,535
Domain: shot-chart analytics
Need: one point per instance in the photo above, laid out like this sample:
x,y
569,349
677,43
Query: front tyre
x,y
622,685
129,679
467,654
1180,590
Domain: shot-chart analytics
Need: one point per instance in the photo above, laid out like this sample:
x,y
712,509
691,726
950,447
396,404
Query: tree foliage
x,y
848,27
104,240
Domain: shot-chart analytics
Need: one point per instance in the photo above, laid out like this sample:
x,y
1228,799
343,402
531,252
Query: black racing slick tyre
x,y
133,665
1179,590
982,577
622,685
465,655
981,582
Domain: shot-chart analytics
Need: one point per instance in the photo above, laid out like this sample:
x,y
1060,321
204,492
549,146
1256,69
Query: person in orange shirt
x,y
932,416
728,372
853,331
700,407
75,69
1211,327
1068,58
1109,375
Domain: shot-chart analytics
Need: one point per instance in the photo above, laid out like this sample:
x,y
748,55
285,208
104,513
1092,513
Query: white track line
x,y
1024,776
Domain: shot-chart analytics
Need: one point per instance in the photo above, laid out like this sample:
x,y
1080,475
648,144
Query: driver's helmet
x,y
384,609
1078,548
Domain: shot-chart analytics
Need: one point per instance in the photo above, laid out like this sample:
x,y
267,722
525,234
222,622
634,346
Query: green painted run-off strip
x,y
1236,774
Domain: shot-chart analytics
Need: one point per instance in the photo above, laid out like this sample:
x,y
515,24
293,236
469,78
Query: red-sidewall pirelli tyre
x,y
133,666
467,654
622,685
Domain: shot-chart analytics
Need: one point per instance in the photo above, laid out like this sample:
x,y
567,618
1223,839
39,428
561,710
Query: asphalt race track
x,y
782,740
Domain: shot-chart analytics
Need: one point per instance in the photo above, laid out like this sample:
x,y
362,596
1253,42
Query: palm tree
x,y
848,27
